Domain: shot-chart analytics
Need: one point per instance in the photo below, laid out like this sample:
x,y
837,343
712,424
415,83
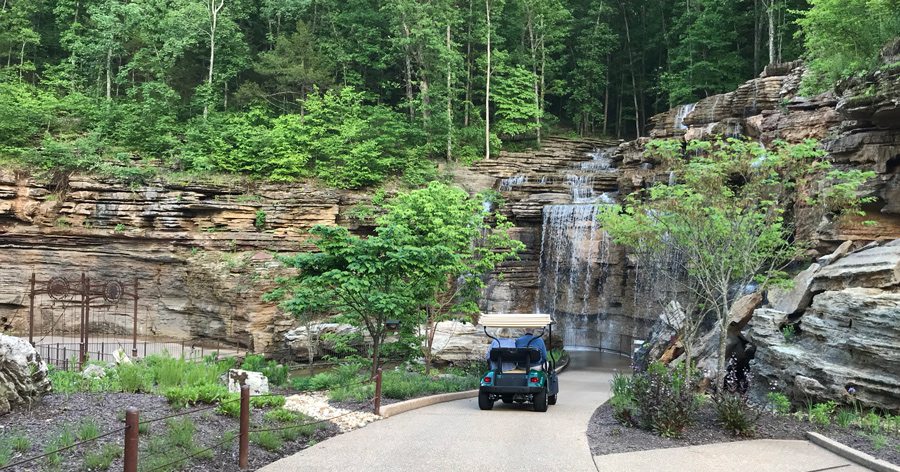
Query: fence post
x,y
131,439
244,437
378,392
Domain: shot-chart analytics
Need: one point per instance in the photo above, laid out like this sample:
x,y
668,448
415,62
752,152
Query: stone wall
x,y
201,261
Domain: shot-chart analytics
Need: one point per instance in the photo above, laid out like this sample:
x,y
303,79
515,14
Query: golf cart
x,y
520,369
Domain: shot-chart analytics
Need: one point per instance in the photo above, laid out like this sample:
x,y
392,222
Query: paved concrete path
x,y
457,436
763,455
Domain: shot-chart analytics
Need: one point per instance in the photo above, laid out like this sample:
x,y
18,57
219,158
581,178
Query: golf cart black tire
x,y
551,400
485,402
508,398
540,401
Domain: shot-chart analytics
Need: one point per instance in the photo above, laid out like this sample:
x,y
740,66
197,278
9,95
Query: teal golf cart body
x,y
521,374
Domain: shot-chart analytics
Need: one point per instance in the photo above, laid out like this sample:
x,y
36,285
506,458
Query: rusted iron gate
x,y
83,302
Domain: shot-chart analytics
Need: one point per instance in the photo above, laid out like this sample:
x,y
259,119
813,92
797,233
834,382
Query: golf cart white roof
x,y
517,320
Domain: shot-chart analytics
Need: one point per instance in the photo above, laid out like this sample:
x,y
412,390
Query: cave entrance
x,y
73,320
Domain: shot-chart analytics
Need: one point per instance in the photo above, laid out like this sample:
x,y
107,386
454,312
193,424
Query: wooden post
x,y
134,321
131,439
31,312
86,290
244,437
378,392
82,345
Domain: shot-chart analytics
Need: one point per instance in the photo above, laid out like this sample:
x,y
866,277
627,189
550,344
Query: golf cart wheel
x,y
540,401
507,399
551,400
484,401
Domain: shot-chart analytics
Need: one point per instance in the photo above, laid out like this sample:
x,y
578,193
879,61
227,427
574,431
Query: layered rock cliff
x,y
202,252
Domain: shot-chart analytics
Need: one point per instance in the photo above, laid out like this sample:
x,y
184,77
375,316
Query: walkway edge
x,y
402,407
849,453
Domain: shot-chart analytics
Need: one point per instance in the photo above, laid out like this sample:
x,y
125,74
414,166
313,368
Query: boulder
x,y
742,311
258,382
845,338
23,375
797,298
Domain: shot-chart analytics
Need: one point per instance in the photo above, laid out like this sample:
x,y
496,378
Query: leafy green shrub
x,y
402,385
231,406
134,378
736,414
844,417
664,400
820,413
872,422
275,372
267,440
103,458
622,400
180,431
66,382
19,442
267,401
780,403
282,416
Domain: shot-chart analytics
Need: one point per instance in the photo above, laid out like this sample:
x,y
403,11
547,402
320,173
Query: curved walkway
x,y
457,436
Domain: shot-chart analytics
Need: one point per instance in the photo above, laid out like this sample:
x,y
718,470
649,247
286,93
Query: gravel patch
x,y
608,436
316,405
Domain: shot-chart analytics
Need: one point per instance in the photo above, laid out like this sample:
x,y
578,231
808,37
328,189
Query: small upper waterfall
x,y
682,113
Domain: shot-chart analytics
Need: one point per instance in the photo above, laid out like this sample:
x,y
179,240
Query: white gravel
x,y
315,405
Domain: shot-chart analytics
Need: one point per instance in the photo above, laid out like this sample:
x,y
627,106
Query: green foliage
x,y
13,442
134,378
275,372
789,332
724,216
736,413
516,105
102,459
659,399
88,429
282,416
403,385
259,222
845,417
268,440
820,413
267,401
779,402
231,406
844,38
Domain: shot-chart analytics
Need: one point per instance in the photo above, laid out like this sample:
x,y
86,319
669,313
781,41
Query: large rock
x,y
798,297
875,267
847,338
237,378
23,375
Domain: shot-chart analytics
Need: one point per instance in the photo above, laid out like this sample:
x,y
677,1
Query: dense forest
x,y
354,91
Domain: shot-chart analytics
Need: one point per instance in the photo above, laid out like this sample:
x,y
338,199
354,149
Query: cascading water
x,y
517,180
574,260
682,113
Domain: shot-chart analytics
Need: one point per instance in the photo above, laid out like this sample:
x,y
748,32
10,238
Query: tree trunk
x,y
408,60
309,347
634,91
214,10
468,100
487,87
109,74
449,97
21,60
376,348
606,97
534,72
770,12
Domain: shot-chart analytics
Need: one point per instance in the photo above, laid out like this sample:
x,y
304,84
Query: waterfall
x,y
682,113
507,184
574,257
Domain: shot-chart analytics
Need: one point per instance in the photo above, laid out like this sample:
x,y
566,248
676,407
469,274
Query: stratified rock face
x,y
848,336
201,251
23,375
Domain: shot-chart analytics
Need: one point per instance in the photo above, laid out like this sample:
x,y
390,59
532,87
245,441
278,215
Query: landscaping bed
x,y
60,419
607,436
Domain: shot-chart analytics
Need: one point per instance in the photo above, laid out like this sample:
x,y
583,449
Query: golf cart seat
x,y
521,358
